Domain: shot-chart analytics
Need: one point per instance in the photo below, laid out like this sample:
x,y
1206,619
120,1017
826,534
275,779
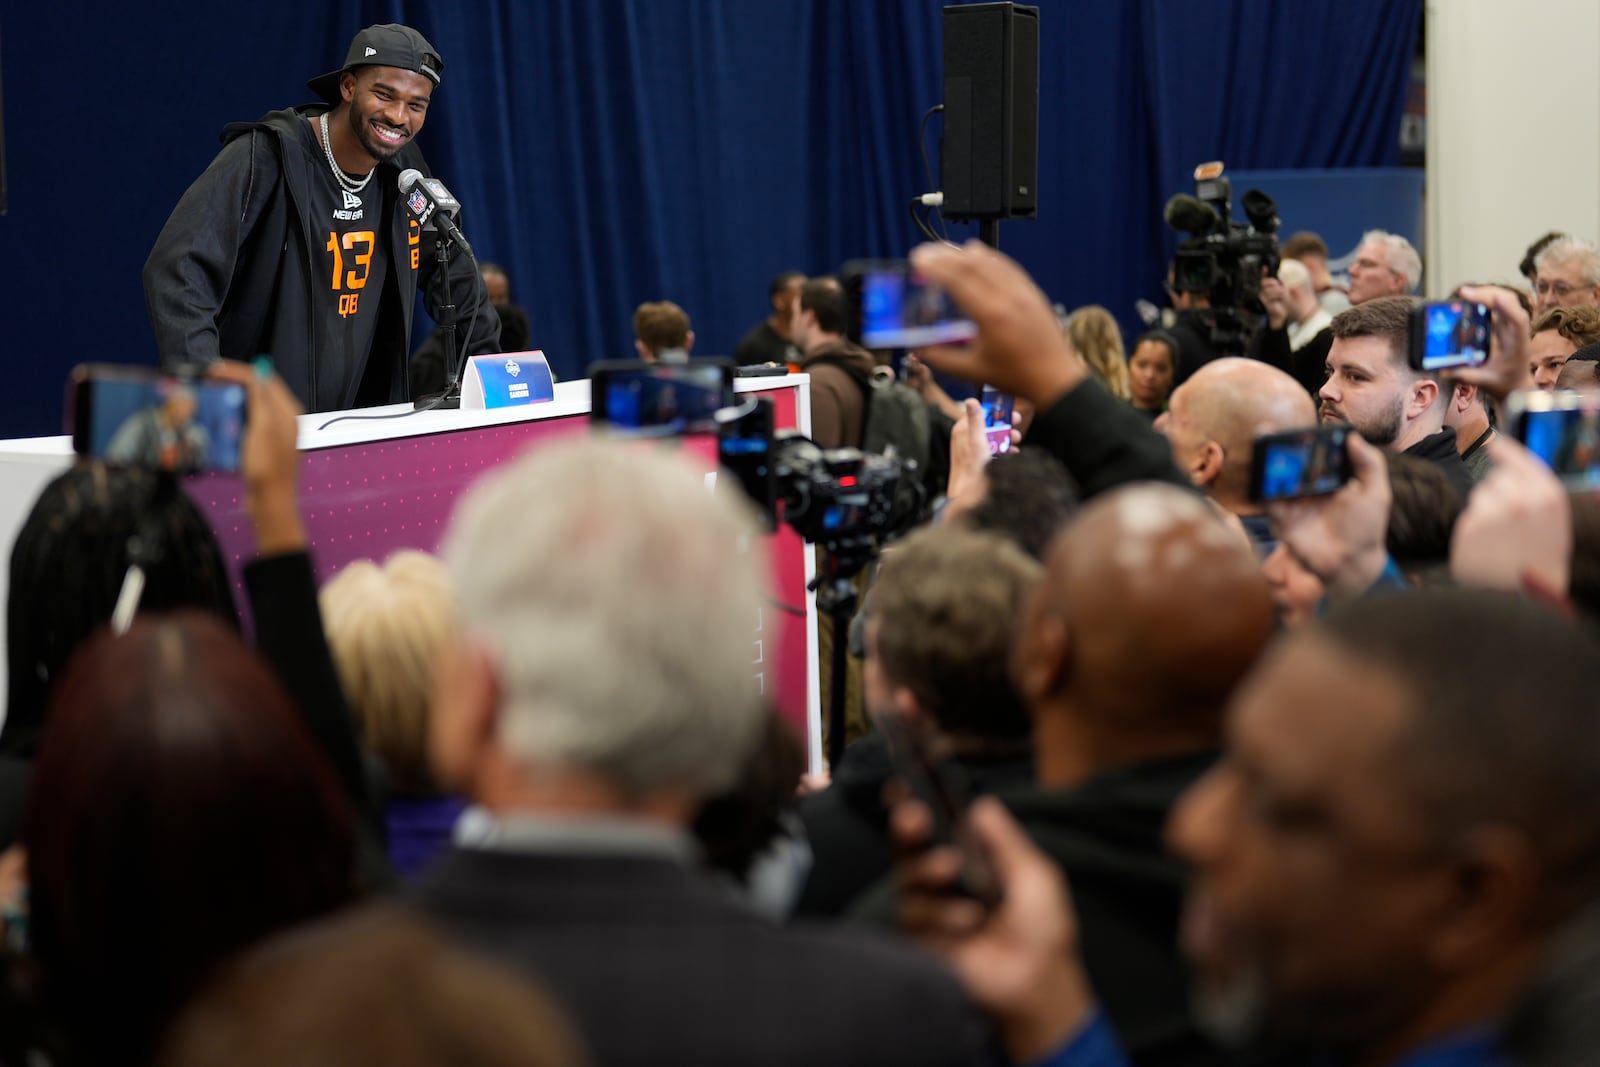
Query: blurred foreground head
x,y
179,811
67,567
1409,805
1151,611
376,987
609,603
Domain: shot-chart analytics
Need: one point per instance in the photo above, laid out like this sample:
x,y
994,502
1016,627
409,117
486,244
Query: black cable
x,y
927,161
927,230
788,609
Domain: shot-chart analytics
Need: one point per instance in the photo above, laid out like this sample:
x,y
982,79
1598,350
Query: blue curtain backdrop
x,y
615,151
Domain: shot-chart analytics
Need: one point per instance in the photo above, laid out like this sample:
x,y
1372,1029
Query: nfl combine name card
x,y
506,380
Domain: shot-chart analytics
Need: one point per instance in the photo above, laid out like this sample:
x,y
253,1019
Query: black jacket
x,y
1307,365
847,825
1193,330
1102,441
232,274
1106,834
1441,448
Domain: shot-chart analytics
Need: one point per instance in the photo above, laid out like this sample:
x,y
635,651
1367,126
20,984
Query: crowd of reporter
x,y
1306,782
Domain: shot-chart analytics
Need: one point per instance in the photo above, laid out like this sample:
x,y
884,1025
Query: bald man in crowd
x,y
1150,612
1213,420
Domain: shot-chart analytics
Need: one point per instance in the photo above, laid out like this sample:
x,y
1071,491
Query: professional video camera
x,y
843,500
1222,258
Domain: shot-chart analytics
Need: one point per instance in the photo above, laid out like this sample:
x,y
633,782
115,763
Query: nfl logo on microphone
x,y
418,202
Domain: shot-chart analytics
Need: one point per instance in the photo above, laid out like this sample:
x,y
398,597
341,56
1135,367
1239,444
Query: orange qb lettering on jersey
x,y
348,303
414,239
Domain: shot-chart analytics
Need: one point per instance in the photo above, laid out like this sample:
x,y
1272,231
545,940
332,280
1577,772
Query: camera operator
x,y
1213,422
1191,326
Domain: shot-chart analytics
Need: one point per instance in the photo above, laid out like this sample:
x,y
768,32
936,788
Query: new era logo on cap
x,y
371,51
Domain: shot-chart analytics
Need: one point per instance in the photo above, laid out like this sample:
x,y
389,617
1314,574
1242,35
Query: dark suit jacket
x,y
659,966
1308,365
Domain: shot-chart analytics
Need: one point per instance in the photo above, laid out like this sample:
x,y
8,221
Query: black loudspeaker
x,y
990,157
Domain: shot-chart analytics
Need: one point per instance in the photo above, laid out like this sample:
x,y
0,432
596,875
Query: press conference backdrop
x,y
608,152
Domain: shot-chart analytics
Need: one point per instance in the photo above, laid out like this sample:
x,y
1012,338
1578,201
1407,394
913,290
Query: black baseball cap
x,y
389,45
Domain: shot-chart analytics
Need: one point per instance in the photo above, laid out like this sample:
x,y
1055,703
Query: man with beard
x,y
296,242
1405,817
1372,386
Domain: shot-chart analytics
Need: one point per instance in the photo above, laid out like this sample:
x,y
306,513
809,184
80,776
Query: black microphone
x,y
1184,212
431,202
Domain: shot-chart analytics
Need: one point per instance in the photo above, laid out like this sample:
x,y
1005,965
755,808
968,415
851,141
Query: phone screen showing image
x,y
164,423
999,417
1300,463
901,310
1453,334
1568,440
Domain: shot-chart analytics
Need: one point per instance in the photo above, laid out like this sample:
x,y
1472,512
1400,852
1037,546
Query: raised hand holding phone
x,y
1019,348
1340,538
1019,961
1300,463
138,416
969,455
1507,368
1516,530
269,456
1450,334
925,770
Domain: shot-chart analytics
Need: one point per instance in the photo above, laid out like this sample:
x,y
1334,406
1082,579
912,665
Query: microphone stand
x,y
450,399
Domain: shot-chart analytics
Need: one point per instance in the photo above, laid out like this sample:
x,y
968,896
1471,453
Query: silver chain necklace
x,y
338,175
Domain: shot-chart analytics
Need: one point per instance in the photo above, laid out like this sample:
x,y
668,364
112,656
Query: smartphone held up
x,y
1561,427
999,416
137,416
1300,463
1448,334
892,306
